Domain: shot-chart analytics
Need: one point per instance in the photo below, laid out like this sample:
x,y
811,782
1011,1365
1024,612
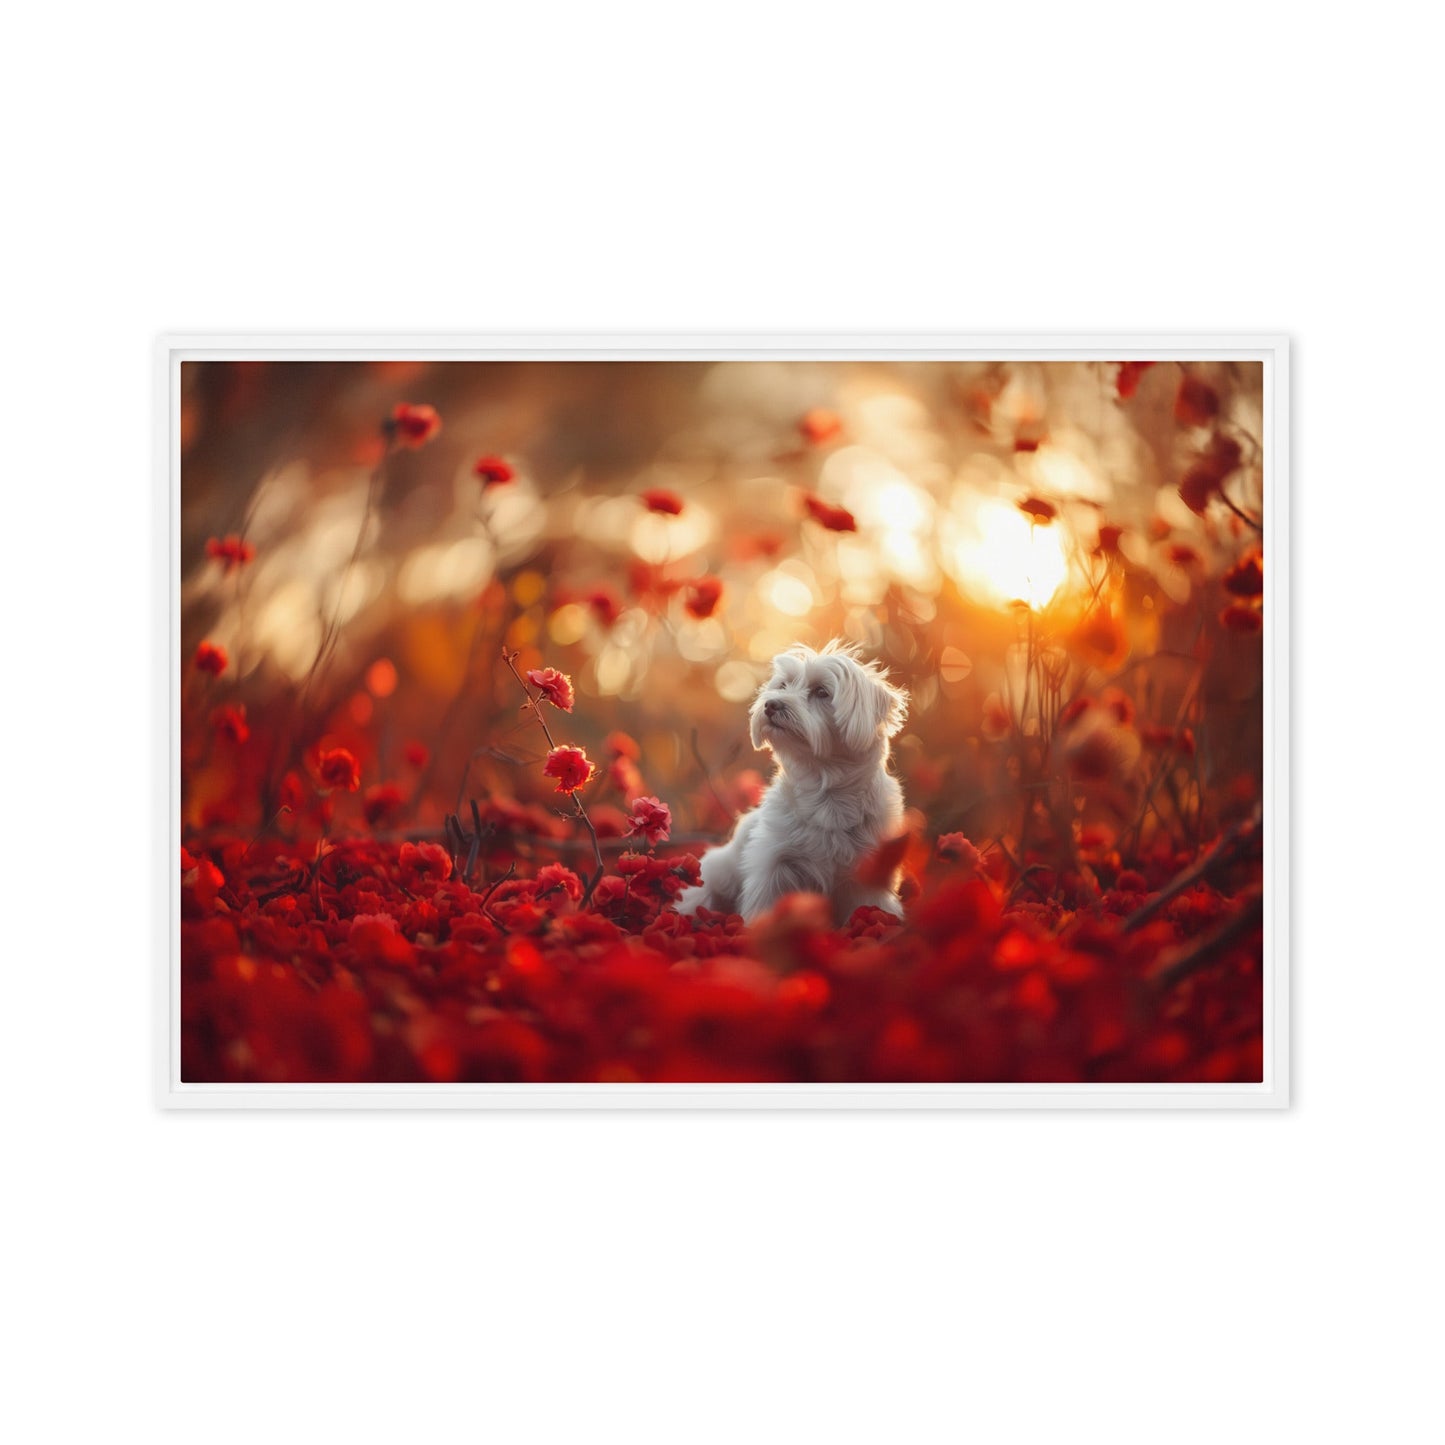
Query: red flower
x,y
820,425
1130,374
1209,472
957,849
1109,540
202,877
704,596
554,878
555,687
424,865
623,775
1100,633
414,425
835,519
293,792
609,822
375,939
1099,747
493,471
1038,510
604,604
1161,738
620,745
996,720
230,723
1246,577
1119,703
1240,618
211,657
651,819
338,768
1197,403
806,991
747,546
231,552
381,804
416,754
659,499
570,766
1181,554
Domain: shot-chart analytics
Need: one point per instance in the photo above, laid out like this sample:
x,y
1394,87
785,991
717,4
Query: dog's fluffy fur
x,y
827,718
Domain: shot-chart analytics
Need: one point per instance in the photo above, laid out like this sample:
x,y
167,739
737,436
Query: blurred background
x,y
1060,561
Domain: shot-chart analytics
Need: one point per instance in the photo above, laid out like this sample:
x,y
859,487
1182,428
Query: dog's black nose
x,y
771,709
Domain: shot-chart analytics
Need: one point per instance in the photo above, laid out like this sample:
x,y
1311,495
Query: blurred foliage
x,y
1058,560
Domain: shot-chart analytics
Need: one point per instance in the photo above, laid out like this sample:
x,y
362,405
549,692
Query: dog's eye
x,y
820,694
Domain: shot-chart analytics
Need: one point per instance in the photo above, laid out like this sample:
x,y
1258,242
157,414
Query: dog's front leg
x,y
765,885
719,888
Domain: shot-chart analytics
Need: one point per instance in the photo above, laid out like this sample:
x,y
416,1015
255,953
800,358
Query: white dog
x,y
827,718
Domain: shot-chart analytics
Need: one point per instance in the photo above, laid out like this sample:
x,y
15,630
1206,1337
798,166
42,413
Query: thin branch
x,y
332,630
706,775
1204,950
1240,512
1224,852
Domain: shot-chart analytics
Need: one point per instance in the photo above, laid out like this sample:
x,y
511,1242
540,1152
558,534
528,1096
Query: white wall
x,y
761,167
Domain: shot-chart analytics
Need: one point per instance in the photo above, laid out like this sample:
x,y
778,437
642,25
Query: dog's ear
x,y
871,708
895,710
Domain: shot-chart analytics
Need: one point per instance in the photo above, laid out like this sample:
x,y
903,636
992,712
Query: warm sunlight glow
x,y
1003,557
788,593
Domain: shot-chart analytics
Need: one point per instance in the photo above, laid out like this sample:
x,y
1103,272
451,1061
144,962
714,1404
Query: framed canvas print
x,y
724,722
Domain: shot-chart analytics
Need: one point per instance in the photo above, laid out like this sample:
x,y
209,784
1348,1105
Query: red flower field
x,y
450,751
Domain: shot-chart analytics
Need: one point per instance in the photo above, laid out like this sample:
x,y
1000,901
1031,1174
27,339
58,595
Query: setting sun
x,y
1001,556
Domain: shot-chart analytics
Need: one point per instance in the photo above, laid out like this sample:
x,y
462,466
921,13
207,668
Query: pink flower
x,y
555,687
651,819
570,766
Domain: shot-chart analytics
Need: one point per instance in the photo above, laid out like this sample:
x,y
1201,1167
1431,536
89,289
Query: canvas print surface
x,y
736,721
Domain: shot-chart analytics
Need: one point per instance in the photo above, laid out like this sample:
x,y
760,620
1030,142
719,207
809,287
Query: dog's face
x,y
826,706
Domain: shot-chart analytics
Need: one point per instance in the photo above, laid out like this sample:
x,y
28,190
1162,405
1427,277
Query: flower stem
x,y
510,658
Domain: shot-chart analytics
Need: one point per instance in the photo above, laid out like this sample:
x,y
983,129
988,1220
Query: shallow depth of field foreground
x,y
467,651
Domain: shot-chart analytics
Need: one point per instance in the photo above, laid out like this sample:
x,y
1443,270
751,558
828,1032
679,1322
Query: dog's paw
x,y
691,899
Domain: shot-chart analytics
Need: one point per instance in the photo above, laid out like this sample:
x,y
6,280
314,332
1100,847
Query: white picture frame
x,y
1273,1092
